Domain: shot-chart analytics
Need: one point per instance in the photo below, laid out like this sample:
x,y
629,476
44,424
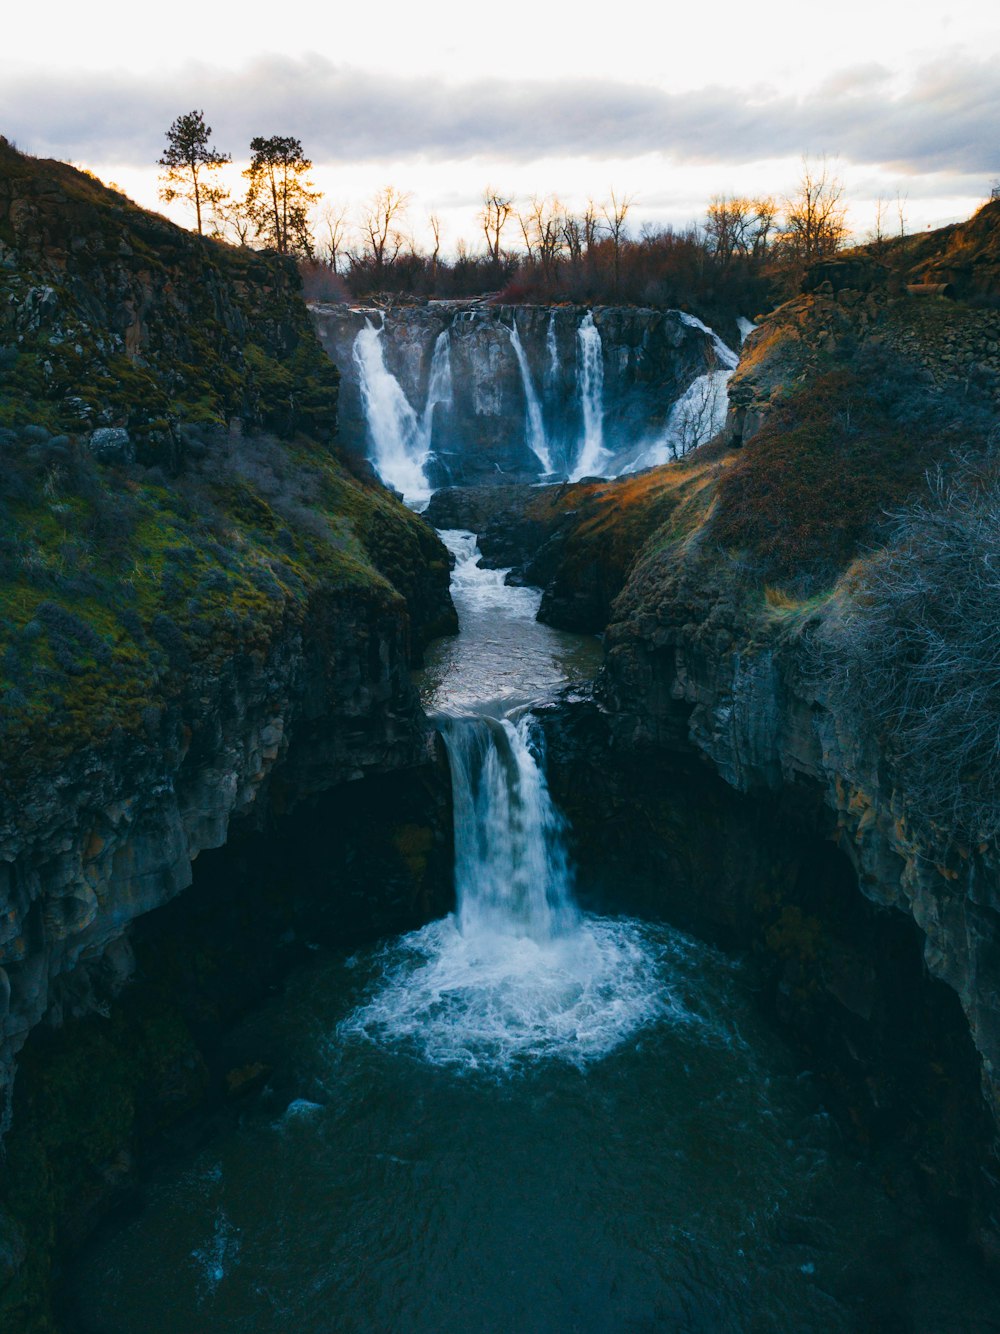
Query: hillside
x,y
207,621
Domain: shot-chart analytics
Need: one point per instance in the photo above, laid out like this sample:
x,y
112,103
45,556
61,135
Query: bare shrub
x,y
914,652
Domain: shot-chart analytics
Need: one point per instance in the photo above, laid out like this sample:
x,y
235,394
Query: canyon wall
x,y
209,624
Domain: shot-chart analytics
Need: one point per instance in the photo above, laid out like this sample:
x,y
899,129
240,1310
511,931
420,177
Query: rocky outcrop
x,y
208,626
648,358
776,816
113,834
113,319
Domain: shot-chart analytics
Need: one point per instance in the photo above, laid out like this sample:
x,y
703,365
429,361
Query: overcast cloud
x,y
945,121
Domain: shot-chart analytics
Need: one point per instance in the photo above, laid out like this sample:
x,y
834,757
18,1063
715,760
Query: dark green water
x,y
685,1181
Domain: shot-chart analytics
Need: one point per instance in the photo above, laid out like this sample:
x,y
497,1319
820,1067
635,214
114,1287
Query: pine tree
x,y
279,195
187,159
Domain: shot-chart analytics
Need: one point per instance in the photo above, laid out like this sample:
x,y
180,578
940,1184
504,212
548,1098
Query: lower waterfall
x,y
517,973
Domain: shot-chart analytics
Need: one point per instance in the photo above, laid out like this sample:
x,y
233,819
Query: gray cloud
x,y
945,121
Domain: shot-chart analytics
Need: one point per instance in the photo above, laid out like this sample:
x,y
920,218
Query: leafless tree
x,y
434,222
494,217
615,211
332,230
901,212
232,220
382,238
572,231
877,236
695,423
591,227
728,227
541,227
815,216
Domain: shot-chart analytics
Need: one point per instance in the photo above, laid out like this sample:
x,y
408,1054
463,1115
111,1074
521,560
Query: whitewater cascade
x,y
439,387
400,440
700,412
592,456
511,871
517,973
552,351
536,438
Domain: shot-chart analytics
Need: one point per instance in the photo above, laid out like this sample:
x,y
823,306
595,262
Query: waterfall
x,y
727,358
700,412
552,351
536,439
593,456
400,440
439,387
511,871
517,974
399,446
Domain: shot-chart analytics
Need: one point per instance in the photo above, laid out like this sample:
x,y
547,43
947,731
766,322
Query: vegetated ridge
x,y
207,619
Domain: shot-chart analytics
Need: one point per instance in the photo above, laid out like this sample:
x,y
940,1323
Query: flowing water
x,y
398,438
534,422
593,459
439,386
700,412
524,1118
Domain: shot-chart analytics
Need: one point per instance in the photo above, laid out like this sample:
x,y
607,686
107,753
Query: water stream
x,y
535,425
524,1118
399,439
592,458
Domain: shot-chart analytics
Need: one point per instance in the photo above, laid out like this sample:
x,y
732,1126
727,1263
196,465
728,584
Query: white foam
x,y
477,589
498,1003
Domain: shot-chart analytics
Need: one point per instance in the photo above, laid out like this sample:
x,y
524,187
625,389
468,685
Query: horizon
x,y
574,113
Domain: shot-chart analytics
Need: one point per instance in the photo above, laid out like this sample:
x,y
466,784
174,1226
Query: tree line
x,y
746,251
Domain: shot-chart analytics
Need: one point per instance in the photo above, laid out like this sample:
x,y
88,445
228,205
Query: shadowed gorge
x,y
498,816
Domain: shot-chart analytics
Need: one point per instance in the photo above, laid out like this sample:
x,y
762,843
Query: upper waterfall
x,y
439,385
700,412
537,442
442,394
399,444
592,456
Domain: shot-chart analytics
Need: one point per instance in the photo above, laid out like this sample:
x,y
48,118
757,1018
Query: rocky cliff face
x,y
114,320
648,358
724,745
207,626
113,833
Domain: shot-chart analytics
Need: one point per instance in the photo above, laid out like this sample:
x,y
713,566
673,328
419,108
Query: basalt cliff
x,y
208,624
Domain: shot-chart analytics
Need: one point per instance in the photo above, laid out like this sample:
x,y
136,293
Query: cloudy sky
x,y
670,104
